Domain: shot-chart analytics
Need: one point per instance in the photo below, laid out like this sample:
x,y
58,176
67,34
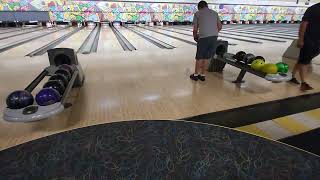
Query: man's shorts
x,y
310,50
206,47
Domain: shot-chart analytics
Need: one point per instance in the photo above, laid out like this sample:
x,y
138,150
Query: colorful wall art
x,y
66,10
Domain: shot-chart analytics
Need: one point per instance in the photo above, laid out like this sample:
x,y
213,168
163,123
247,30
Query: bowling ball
x,y
260,57
249,58
55,84
270,68
47,96
240,55
19,99
282,67
60,77
64,72
67,67
257,64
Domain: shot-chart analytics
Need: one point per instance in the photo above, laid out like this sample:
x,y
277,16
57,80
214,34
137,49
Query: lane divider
x,y
85,47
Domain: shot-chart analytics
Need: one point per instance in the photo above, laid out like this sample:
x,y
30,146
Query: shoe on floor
x,y
193,77
202,78
305,87
294,81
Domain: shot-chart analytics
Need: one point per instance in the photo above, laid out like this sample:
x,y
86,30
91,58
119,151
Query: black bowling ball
x,y
19,99
55,84
60,77
64,72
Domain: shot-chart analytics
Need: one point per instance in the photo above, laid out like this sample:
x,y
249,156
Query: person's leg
x,y
201,48
197,68
202,70
308,52
298,66
208,53
303,72
204,66
295,69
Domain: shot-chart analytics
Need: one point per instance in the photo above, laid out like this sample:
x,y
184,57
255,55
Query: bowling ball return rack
x,y
222,57
35,112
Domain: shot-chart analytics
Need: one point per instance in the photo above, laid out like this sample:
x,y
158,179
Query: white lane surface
x,y
108,42
26,48
137,41
76,40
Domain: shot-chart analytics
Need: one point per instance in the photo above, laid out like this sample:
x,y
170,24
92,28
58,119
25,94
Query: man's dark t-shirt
x,y
312,15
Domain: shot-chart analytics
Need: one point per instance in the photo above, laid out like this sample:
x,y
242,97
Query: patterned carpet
x,y
154,150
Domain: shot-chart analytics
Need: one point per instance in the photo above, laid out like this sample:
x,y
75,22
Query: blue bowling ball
x,y
19,99
47,96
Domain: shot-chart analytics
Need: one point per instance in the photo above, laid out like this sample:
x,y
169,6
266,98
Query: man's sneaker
x,y
193,77
305,87
202,78
294,81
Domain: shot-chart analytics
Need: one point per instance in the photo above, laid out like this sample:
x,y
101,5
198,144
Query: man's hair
x,y
202,4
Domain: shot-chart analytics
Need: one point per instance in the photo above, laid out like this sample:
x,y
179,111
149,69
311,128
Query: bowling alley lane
x,y
137,41
16,38
267,34
263,29
259,32
9,29
3,29
21,31
76,40
190,38
26,48
163,38
108,41
15,29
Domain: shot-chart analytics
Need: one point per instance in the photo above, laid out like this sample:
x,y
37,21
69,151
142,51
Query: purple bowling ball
x,y
19,99
47,96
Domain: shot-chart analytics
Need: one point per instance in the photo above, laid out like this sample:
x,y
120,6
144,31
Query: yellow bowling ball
x,y
270,69
257,64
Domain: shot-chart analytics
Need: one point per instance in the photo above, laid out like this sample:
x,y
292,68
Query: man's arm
x,y
195,32
195,28
308,15
302,30
219,25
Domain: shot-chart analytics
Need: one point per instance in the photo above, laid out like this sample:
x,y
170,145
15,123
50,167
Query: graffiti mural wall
x,y
65,10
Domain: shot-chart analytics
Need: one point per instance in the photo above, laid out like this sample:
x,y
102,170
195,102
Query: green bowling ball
x,y
282,67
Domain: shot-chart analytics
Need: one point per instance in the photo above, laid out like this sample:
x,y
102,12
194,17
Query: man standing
x,y
309,42
206,26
